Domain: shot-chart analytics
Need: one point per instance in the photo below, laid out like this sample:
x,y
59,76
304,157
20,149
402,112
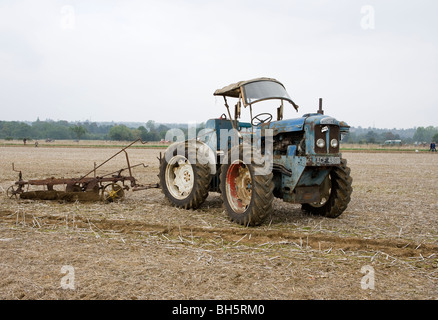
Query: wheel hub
x,y
239,187
183,177
243,185
180,177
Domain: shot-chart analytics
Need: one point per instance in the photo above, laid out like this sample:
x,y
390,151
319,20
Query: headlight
x,y
320,143
334,143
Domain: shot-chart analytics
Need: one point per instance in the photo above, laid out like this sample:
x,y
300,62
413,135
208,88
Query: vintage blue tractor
x,y
250,163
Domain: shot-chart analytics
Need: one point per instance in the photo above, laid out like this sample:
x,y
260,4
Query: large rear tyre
x,y
184,184
335,193
247,196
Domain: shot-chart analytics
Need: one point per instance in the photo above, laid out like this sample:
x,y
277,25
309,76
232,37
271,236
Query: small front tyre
x,y
335,193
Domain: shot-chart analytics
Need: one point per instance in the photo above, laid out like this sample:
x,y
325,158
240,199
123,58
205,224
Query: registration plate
x,y
327,160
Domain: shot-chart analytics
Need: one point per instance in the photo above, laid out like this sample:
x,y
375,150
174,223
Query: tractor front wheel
x,y
335,193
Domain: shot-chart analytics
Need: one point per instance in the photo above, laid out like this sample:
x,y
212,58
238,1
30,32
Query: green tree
x,y
121,133
143,133
78,131
371,137
150,125
425,134
349,138
6,129
390,136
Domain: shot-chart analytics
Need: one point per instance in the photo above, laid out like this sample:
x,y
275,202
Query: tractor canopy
x,y
256,90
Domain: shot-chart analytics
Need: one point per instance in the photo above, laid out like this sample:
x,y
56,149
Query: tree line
x,y
152,131
420,135
64,130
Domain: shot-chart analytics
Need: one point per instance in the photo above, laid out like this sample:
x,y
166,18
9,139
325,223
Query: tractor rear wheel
x,y
247,196
335,193
183,183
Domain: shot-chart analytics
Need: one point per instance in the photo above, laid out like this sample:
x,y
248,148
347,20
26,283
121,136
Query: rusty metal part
x,y
85,188
112,192
145,187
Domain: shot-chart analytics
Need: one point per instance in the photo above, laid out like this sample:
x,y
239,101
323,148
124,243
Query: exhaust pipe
x,y
320,111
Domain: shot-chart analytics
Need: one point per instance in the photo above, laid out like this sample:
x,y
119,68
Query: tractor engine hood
x,y
293,125
289,125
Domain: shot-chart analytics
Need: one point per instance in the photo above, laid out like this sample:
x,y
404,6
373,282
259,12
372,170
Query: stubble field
x,y
384,246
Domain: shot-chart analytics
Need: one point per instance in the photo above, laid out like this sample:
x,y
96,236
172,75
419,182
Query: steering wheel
x,y
261,118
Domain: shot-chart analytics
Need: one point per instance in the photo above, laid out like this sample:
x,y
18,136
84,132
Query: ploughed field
x,y
384,246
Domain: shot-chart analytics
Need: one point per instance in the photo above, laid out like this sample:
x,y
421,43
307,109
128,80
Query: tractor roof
x,y
252,92
233,90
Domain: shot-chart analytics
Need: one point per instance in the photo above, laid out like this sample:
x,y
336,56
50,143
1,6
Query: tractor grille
x,y
321,133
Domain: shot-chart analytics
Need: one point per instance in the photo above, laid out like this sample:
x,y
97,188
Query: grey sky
x,y
162,60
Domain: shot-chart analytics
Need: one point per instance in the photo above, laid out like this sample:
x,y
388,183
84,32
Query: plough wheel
x,y
11,192
113,192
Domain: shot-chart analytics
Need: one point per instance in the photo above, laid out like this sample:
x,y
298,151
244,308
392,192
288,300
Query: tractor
x,y
249,163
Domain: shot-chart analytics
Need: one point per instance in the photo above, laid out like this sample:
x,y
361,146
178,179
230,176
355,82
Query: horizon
x,y
190,123
185,123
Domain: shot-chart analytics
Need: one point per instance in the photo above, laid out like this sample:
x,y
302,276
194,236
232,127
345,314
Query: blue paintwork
x,y
302,176
285,125
288,183
306,171
298,124
317,118
291,150
212,131
309,178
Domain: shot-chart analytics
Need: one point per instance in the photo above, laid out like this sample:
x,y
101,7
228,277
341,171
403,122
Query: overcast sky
x,y
375,63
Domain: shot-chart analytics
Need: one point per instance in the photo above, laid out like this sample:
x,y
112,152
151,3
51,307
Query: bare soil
x,y
143,248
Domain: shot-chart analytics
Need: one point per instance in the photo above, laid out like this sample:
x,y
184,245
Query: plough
x,y
108,188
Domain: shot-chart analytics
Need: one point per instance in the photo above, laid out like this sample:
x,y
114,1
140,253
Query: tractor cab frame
x,y
253,91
